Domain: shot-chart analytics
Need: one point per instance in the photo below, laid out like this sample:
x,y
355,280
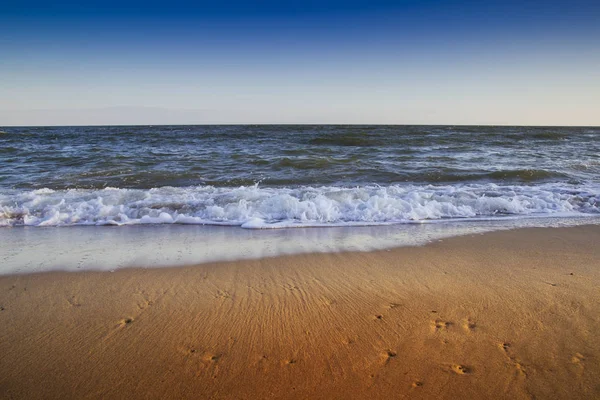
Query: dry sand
x,y
510,315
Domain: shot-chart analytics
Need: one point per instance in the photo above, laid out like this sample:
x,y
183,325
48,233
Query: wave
x,y
348,140
267,207
527,175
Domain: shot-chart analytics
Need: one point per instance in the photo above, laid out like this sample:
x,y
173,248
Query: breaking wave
x,y
265,207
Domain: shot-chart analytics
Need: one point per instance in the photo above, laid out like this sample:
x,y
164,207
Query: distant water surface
x,y
295,176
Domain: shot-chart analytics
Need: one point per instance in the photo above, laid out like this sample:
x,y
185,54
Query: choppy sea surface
x,y
295,176
173,195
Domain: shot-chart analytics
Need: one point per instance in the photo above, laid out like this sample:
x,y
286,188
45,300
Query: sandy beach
x,y
504,315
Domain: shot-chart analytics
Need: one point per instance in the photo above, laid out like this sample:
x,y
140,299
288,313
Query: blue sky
x,y
404,62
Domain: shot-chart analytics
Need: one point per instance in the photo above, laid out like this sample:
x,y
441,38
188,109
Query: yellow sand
x,y
506,315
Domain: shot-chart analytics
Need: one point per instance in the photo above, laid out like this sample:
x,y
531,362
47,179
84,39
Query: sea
x,y
154,195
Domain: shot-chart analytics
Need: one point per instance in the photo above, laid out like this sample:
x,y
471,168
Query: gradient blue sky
x,y
404,62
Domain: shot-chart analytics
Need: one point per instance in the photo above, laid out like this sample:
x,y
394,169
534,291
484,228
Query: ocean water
x,y
80,198
295,176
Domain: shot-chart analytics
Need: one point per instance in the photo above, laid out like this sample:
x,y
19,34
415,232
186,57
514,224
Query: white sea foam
x,y
265,207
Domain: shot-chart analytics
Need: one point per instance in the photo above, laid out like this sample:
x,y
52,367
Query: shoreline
x,y
506,314
26,250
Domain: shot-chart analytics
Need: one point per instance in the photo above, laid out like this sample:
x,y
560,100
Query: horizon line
x,y
301,124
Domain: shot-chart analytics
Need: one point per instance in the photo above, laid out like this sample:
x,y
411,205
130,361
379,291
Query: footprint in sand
x,y
460,369
195,351
122,324
578,360
73,301
210,357
145,302
222,294
469,325
520,368
438,325
205,362
505,346
387,355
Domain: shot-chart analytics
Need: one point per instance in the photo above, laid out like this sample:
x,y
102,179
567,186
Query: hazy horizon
x,y
405,63
95,122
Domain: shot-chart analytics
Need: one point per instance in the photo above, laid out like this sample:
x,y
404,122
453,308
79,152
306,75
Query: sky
x,y
350,62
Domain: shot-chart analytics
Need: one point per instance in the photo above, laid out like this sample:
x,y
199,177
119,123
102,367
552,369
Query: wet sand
x,y
504,315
